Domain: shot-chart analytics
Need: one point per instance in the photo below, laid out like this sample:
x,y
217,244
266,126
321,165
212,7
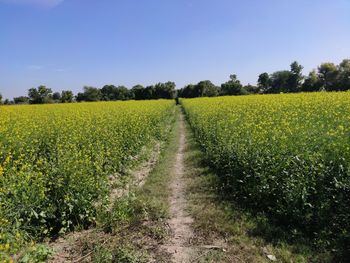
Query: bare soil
x,y
179,244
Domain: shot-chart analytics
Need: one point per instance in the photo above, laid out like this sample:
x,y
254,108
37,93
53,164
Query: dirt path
x,y
180,221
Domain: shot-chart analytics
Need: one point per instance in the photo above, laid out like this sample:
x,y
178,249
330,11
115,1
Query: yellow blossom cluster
x,y
285,155
55,160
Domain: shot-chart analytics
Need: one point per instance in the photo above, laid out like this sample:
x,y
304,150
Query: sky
x,y
68,44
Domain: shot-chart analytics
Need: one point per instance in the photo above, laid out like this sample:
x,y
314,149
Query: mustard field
x,y
55,161
286,156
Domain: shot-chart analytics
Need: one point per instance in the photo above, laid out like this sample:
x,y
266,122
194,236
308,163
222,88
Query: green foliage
x,y
312,82
158,91
55,160
251,89
40,95
164,90
36,254
129,255
89,94
204,88
283,155
327,73
279,81
21,100
111,92
296,77
344,75
264,81
56,96
122,254
232,87
67,96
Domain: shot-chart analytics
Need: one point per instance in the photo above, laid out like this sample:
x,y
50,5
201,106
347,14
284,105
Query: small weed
x,y
36,254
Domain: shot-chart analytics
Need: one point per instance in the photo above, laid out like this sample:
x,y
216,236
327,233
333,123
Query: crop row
x,y
55,161
286,155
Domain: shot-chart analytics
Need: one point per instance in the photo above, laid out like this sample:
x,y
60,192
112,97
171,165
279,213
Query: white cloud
x,y
40,3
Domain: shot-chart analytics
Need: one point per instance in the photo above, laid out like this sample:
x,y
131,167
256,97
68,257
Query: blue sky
x,y
66,44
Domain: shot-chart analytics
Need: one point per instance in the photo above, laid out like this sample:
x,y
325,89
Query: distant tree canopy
x,y
89,94
138,92
233,87
264,82
203,88
56,96
327,77
251,89
312,82
344,75
158,91
67,96
206,88
21,100
40,95
111,92
164,90
282,81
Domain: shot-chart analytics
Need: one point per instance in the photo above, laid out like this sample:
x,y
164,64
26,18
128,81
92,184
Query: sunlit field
x,y
283,155
55,161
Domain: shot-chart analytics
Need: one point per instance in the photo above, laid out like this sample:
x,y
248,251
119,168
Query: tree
x,y
67,96
344,75
279,81
56,96
138,92
328,74
0,98
312,82
149,93
40,95
164,90
89,94
203,88
296,77
187,92
108,92
232,87
111,92
122,93
264,82
251,89
21,100
206,88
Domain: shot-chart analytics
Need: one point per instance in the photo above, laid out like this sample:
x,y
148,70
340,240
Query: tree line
x,y
43,95
327,77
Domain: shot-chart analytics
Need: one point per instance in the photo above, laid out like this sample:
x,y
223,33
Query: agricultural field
x,y
281,158
286,156
55,161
